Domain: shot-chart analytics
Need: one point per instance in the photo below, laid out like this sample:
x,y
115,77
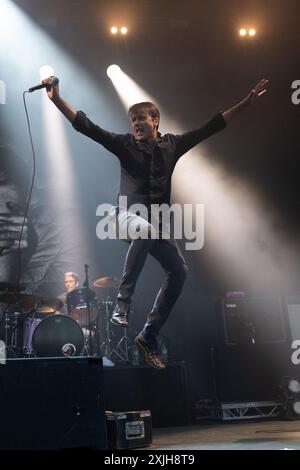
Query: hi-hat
x,y
107,282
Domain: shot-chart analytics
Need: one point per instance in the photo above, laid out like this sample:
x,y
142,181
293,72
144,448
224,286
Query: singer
x,y
147,162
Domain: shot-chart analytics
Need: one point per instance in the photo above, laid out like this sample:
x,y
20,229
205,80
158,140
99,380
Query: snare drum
x,y
30,325
77,306
57,336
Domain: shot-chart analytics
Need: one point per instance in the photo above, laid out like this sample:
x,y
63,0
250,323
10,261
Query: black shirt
x,y
146,170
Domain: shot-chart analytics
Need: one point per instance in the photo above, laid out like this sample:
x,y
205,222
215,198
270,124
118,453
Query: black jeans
x,y
167,253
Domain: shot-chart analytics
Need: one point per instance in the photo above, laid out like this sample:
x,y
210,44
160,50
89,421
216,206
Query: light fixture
x,y
291,389
124,30
46,71
113,70
246,33
114,30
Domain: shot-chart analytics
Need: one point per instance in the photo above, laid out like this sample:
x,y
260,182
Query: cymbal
x,y
10,287
29,301
49,305
107,282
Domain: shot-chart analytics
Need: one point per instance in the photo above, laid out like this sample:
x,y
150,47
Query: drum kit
x,y
37,326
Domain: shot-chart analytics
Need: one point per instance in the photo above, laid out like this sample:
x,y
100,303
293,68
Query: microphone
x,y
55,81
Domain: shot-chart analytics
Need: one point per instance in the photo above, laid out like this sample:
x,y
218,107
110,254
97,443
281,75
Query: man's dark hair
x,y
146,107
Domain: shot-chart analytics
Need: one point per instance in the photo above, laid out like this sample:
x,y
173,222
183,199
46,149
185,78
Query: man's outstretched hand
x,y
258,90
255,93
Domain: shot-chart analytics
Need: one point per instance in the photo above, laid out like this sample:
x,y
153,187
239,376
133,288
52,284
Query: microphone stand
x,y
87,291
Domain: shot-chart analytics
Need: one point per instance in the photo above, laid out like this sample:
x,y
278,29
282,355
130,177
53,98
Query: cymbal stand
x,y
26,346
122,351
124,347
88,307
11,341
6,328
106,346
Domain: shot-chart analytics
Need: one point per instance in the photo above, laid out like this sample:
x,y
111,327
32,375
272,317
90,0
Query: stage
x,y
262,435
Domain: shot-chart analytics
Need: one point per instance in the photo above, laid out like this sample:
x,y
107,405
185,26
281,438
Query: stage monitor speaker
x,y
53,403
253,320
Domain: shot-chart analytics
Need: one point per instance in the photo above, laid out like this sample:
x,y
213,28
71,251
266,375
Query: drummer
x,y
71,281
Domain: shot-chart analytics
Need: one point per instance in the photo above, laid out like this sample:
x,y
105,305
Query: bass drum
x,y
57,336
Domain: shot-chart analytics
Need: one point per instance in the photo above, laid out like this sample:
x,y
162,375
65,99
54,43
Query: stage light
x,y
296,407
124,30
113,70
243,32
291,389
127,89
114,30
46,71
293,385
252,32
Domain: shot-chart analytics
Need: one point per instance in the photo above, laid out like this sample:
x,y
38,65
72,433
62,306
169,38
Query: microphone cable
x,y
30,190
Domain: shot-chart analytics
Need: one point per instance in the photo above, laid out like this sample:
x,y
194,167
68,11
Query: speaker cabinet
x,y
253,320
53,403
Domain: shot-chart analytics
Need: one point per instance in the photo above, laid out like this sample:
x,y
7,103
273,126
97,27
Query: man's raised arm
x,y
53,94
257,91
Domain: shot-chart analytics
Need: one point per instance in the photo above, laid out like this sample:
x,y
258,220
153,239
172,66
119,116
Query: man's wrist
x,y
56,99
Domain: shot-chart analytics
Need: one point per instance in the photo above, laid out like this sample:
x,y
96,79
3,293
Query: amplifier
x,y
255,320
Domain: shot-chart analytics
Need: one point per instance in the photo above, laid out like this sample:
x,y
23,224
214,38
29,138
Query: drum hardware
x,y
57,336
82,309
22,314
29,325
106,346
123,349
77,306
28,330
104,282
43,305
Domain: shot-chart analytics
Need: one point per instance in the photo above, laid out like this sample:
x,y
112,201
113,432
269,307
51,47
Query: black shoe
x,y
120,318
154,359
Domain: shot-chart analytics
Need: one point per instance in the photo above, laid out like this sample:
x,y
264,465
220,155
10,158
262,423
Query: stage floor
x,y
259,435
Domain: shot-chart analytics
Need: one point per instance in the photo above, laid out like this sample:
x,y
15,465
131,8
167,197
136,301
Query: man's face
x,y
144,126
70,283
